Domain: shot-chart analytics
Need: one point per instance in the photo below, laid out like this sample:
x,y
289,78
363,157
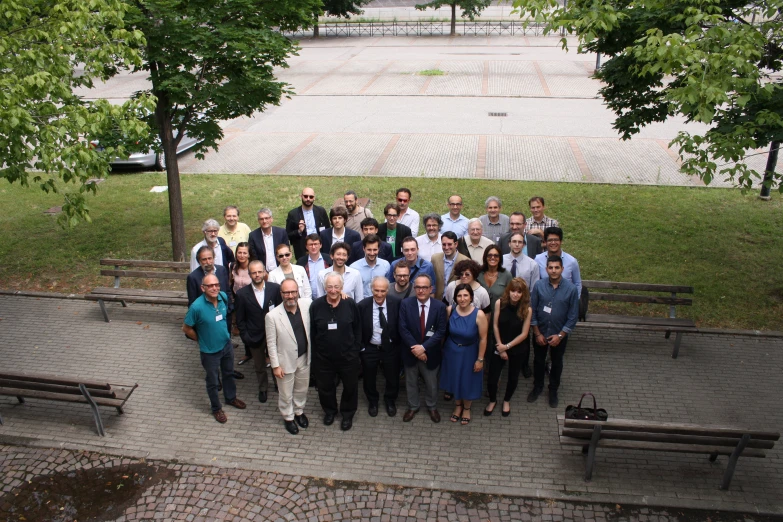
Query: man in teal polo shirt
x,y
205,323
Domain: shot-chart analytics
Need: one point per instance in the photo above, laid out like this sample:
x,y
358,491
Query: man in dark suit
x,y
516,224
393,232
314,262
305,220
224,256
421,347
264,240
370,226
380,342
338,216
252,304
206,260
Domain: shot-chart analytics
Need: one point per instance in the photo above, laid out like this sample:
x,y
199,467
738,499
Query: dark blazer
x,y
194,284
228,254
391,335
256,240
402,233
302,261
351,237
357,252
250,316
410,331
533,244
292,227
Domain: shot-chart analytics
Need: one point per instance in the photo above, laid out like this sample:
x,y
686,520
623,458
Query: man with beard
x,y
356,212
305,220
351,278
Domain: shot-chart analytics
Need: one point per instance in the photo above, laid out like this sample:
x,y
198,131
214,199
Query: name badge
x,y
232,244
429,334
218,317
320,229
547,310
271,307
332,325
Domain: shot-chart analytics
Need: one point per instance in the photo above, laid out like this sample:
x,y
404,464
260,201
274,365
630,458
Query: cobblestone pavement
x,y
497,107
102,487
716,380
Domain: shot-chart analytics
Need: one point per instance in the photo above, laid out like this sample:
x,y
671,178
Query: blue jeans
x,y
214,363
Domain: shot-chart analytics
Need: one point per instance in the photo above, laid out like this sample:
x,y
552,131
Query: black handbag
x,y
579,413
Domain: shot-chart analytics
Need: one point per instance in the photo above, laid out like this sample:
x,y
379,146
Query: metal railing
x,y
423,28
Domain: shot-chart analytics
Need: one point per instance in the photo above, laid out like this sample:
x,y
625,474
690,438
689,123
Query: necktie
x,y
382,318
422,323
514,268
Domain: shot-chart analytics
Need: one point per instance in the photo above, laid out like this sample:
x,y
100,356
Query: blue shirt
x,y
570,269
448,266
309,219
421,267
209,323
562,304
368,272
459,226
313,267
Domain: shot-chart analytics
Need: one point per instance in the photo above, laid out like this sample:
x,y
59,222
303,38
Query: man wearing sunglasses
x,y
305,220
408,216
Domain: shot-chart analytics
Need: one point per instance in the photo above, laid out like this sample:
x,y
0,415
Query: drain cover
x,y
498,114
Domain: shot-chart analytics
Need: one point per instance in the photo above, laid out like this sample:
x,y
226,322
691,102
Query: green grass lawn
x,y
725,244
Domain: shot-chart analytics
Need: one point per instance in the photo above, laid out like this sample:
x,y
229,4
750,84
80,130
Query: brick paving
x,y
717,379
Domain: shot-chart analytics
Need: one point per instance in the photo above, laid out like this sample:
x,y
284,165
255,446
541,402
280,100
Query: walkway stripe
x,y
580,159
427,82
542,79
379,163
374,78
323,77
485,79
481,158
290,156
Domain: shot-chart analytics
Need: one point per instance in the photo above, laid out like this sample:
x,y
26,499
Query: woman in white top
x,y
467,272
287,270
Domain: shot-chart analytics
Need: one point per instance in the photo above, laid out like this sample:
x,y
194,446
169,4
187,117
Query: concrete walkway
x,y
726,380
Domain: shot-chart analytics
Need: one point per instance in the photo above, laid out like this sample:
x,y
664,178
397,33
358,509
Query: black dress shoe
x,y
238,375
302,421
262,396
553,401
346,424
391,409
291,427
328,419
527,372
373,410
533,396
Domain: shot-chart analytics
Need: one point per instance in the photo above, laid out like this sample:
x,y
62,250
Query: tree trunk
x,y
315,30
454,19
176,216
772,161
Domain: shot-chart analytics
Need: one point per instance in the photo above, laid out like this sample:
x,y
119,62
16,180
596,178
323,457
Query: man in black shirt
x,y
336,331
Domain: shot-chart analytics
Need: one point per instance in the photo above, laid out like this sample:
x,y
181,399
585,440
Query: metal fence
x,y
422,28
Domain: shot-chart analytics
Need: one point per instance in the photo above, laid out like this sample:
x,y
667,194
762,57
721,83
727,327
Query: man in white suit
x,y
288,342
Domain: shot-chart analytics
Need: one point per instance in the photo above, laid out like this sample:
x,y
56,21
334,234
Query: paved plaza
x,y
717,379
504,107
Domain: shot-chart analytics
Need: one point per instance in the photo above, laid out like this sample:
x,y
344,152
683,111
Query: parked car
x,y
156,160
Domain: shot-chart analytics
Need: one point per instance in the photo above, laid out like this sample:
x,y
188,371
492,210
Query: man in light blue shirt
x,y
553,236
454,221
418,266
371,266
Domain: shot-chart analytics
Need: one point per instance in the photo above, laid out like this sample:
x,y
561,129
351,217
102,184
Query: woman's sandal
x,y
454,416
465,420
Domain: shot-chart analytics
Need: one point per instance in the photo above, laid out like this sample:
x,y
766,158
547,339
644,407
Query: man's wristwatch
x,y
480,360
560,336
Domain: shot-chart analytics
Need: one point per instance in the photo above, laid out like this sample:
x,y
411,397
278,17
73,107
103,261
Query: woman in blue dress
x,y
462,372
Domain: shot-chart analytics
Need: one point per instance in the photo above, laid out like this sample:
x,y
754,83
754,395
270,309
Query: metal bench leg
x,y
95,413
103,310
119,410
732,465
591,453
713,457
124,304
677,340
20,399
1,420
668,334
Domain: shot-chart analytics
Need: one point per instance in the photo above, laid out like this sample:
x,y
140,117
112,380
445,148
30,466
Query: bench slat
x,y
62,397
146,264
654,299
668,438
145,275
669,427
53,379
662,446
140,292
641,287
56,388
639,321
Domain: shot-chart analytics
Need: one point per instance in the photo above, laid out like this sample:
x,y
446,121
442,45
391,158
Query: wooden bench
x,y
680,438
136,295
46,387
612,321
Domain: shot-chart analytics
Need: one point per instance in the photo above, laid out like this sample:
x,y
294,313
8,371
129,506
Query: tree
x,y
338,9
209,62
470,9
717,62
47,49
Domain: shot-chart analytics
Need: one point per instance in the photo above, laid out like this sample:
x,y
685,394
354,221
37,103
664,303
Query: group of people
x,y
363,297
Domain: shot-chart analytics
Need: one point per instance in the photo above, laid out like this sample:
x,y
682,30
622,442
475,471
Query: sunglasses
x,y
284,255
402,200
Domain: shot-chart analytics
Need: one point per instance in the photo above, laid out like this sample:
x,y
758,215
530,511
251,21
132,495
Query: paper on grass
x,y
159,188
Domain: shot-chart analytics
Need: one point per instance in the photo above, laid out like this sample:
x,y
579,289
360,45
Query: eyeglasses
x,y
421,287
492,255
213,285
466,274
284,255
455,204
402,200
212,231
391,215
289,292
553,240
308,197
402,276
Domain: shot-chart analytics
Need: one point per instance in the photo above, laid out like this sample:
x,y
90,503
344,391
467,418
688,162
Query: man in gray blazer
x,y
288,342
516,223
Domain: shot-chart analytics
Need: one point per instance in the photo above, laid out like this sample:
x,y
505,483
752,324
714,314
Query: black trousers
x,y
496,364
347,369
539,363
370,358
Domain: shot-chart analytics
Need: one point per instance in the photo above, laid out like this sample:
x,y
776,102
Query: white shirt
x,y
480,295
411,220
428,247
336,239
300,276
376,321
527,268
269,245
259,294
352,283
218,255
426,305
